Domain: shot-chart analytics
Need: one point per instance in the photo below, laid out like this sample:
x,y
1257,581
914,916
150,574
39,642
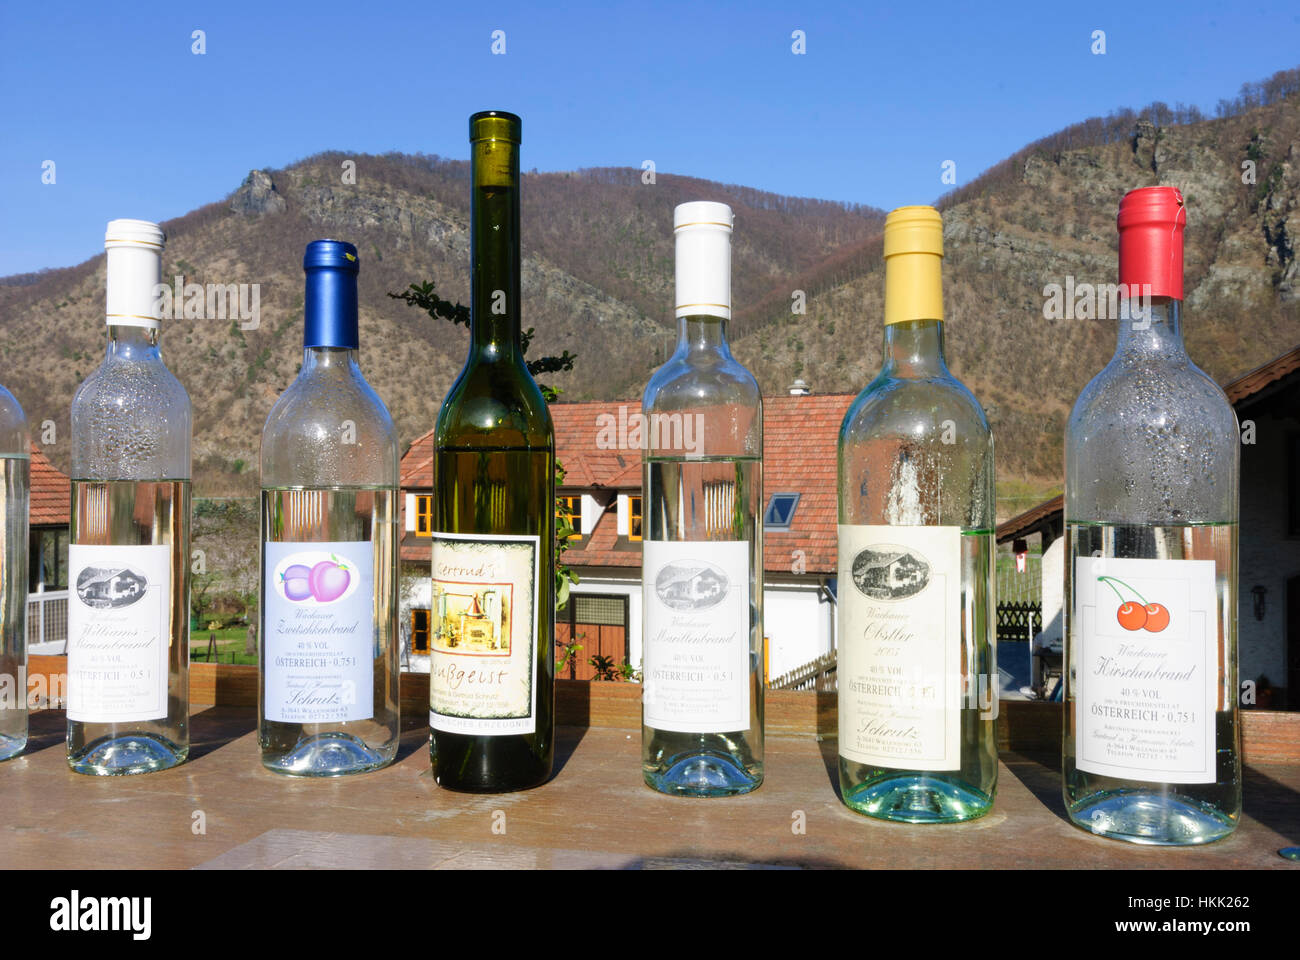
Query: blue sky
x,y
139,126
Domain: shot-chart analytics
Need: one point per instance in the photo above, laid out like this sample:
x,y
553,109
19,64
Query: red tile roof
x,y
799,456
1249,384
51,492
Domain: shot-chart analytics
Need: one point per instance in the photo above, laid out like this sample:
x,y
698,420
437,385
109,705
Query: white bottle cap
x,y
703,233
134,271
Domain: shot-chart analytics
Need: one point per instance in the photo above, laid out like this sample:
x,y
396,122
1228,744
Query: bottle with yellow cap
x,y
916,658
129,554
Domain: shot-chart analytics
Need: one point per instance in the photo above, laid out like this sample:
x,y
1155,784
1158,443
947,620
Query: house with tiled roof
x,y
1267,401
50,493
602,490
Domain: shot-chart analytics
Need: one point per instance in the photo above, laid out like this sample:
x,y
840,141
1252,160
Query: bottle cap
x,y
330,300
702,231
913,254
1151,222
133,271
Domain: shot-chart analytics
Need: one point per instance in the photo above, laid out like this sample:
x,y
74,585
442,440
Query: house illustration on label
x,y
105,587
691,585
890,572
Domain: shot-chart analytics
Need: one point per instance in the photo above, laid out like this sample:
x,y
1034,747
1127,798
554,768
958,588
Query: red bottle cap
x,y
1151,221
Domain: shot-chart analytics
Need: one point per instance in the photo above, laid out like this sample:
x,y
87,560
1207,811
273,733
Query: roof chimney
x,y
800,388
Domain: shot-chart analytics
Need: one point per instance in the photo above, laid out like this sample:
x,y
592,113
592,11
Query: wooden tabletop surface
x,y
595,812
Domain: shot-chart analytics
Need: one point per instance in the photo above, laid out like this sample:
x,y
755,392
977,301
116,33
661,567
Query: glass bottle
x,y
917,664
702,556
328,661
129,552
492,636
1151,748
15,473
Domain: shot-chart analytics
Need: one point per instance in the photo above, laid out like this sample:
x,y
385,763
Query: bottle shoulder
x,y
14,437
329,431
915,407
1165,397
495,405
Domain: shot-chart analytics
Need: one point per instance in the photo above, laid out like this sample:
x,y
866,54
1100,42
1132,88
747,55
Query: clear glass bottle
x,y
917,664
129,554
702,554
492,637
328,663
1151,748
15,472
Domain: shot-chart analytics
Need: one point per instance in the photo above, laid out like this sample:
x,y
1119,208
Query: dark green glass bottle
x,y
492,680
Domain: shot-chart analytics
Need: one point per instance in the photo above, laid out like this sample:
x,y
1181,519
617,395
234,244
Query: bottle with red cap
x,y
1151,747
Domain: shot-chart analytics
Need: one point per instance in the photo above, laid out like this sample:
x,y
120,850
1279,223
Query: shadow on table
x,y
46,729
1274,804
214,727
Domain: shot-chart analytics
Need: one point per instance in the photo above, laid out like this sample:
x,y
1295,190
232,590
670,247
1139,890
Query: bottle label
x,y
119,632
483,634
1147,673
697,622
900,642
318,652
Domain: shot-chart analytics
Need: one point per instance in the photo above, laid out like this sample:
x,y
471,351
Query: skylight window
x,y
780,511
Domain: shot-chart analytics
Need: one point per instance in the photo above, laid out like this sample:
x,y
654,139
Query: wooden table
x,y
594,813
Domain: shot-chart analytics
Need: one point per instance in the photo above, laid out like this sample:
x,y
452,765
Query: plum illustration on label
x,y
320,632
302,578
324,581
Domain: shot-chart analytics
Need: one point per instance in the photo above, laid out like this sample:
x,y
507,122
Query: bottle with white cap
x,y
129,555
702,549
15,465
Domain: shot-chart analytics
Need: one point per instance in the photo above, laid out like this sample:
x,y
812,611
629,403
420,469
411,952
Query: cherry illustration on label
x,y
1152,617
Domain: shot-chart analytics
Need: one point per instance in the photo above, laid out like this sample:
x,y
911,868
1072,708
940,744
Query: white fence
x,y
47,622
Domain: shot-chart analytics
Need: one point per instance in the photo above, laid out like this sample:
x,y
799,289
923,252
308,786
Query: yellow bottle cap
x,y
913,253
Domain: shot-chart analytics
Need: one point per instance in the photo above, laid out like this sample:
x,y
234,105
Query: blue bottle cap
x,y
330,301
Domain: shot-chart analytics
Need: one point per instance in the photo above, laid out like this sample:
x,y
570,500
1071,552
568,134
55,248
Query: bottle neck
x,y
494,242
702,334
132,343
327,361
914,348
1154,332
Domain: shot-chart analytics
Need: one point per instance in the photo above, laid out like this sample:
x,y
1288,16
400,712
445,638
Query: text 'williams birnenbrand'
x,y
77,913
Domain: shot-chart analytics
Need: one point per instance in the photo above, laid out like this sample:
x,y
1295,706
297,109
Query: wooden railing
x,y
1026,726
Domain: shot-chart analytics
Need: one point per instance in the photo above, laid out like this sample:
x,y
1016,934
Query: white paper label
x,y
1147,666
899,661
320,631
119,632
696,635
483,633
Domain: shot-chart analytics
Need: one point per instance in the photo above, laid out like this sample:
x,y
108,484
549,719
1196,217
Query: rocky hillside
x,y
598,280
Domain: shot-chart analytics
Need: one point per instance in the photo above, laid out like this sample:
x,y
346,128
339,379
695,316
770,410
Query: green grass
x,y
230,641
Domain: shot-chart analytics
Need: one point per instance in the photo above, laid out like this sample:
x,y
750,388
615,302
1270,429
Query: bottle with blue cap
x,y
129,552
328,650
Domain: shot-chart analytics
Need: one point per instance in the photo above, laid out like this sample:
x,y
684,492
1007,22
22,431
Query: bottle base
x,y
917,798
128,754
1139,816
329,755
11,746
702,775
